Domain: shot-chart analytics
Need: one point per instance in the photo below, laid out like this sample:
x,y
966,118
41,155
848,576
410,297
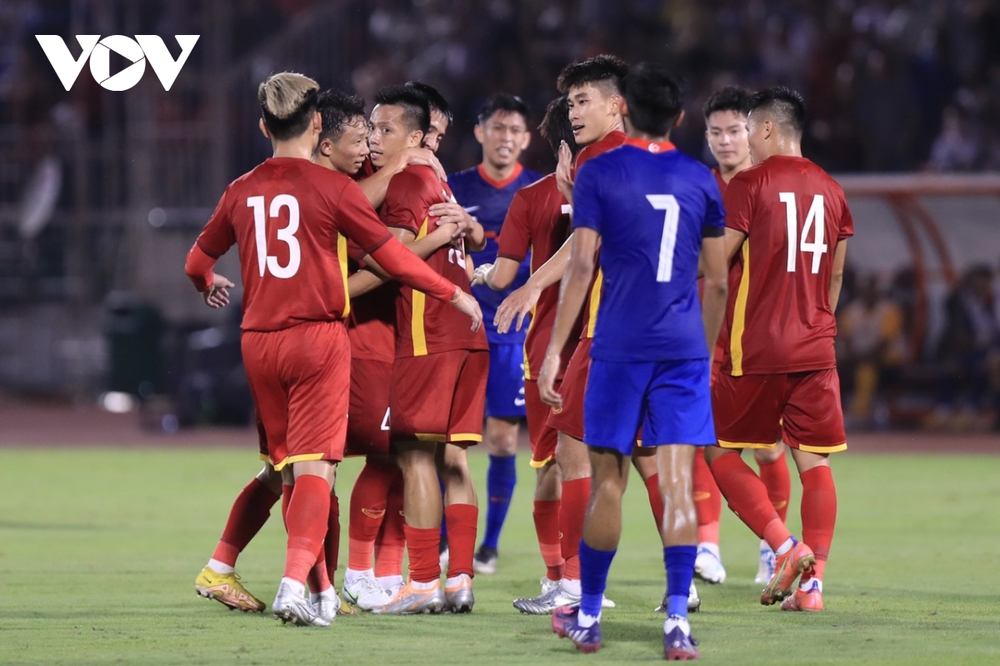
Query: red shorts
x,y
803,408
299,379
440,397
368,418
569,418
543,436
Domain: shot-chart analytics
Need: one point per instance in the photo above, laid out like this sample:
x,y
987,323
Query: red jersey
x,y
723,339
538,219
778,314
593,304
371,325
428,327
291,220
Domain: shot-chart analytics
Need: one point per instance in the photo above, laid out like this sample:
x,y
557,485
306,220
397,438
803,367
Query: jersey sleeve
x,y
515,234
738,205
405,202
218,235
586,199
846,220
357,219
715,212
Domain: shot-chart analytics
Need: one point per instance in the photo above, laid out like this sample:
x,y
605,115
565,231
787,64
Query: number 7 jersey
x,y
778,317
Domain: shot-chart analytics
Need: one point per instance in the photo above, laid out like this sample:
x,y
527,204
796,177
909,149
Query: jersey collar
x,y
651,146
500,184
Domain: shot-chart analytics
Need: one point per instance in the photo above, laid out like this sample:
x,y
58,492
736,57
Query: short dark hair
x,y
504,103
783,105
605,69
730,98
416,109
556,127
435,99
337,109
655,98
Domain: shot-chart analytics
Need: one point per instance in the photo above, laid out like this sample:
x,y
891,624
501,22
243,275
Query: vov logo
x,y
137,51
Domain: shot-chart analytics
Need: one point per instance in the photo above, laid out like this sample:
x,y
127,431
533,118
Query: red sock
x,y
779,485
655,500
331,544
391,540
422,545
319,578
819,514
462,521
748,499
368,507
707,500
572,510
546,515
308,513
249,513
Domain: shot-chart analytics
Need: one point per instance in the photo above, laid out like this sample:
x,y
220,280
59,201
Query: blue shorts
x,y
505,386
671,400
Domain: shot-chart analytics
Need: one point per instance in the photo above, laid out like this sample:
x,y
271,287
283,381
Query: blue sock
x,y
680,570
594,566
500,480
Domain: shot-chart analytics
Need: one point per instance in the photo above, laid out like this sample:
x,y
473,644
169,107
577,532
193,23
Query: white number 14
x,y
814,220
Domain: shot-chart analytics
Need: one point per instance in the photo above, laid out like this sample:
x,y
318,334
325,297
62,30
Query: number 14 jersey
x,y
778,317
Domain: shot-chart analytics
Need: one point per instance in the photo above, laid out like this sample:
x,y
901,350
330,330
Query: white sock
x,y
675,621
294,586
328,594
453,581
811,584
389,582
571,587
785,547
351,576
220,567
430,585
764,546
587,621
710,547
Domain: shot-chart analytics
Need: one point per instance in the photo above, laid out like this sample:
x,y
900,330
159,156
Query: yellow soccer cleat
x,y
227,590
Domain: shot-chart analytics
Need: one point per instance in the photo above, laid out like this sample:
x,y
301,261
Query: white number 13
x,y
814,220
269,262
672,212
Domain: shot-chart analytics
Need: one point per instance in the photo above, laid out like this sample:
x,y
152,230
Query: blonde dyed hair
x,y
282,95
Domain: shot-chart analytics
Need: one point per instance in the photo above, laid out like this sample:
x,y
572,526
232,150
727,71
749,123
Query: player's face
x,y
758,133
504,136
347,154
727,138
388,133
592,113
439,127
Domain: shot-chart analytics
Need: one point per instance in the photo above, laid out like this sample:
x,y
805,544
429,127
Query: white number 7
x,y
667,203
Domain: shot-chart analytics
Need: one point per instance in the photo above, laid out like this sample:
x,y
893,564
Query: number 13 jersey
x,y
778,317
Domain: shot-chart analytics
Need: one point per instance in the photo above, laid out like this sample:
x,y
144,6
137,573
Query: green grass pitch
x,y
99,549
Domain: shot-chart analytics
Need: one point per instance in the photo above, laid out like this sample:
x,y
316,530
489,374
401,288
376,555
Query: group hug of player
x,y
665,347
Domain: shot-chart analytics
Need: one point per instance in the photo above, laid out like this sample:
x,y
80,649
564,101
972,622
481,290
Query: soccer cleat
x,y
809,600
365,593
291,607
549,600
694,601
227,590
678,644
765,568
327,606
459,598
708,564
787,568
411,601
564,624
485,561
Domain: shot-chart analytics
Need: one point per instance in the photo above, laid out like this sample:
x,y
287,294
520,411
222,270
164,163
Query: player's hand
x,y
217,295
547,380
468,306
564,172
421,156
518,305
479,277
452,213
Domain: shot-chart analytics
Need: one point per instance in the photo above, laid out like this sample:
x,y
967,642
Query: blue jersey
x,y
651,205
488,200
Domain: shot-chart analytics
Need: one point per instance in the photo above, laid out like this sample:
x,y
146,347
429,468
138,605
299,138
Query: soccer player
x,y
288,218
486,192
787,226
656,215
726,134
538,221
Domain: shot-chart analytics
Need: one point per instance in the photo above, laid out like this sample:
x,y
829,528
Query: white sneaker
x,y
694,601
708,564
765,566
327,605
364,592
291,607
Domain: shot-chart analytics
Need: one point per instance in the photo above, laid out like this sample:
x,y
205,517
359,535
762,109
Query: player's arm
x,y
520,301
497,276
713,306
837,276
468,227
213,241
372,275
376,185
572,295
513,245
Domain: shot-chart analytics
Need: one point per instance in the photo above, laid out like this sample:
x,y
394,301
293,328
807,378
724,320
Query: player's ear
x,y
317,123
623,108
526,141
326,147
263,129
478,131
617,104
416,139
680,119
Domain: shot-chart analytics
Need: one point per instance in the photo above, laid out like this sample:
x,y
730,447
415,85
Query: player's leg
x,y
219,580
390,544
708,505
500,438
368,508
773,469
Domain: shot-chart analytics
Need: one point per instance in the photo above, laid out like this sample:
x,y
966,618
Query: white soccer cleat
x,y
765,566
290,606
327,605
364,592
708,564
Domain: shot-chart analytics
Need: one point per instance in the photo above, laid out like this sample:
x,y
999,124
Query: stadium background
x,y
101,193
